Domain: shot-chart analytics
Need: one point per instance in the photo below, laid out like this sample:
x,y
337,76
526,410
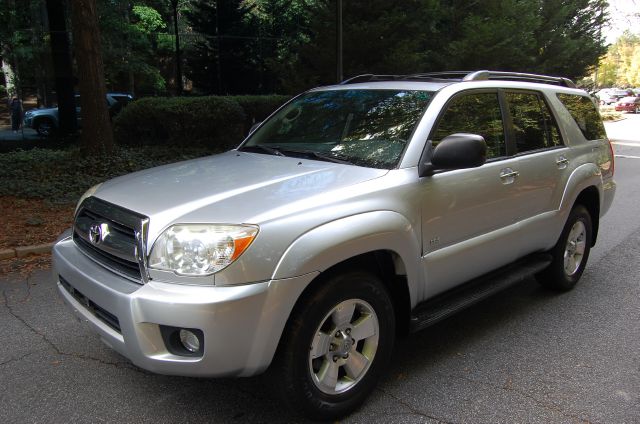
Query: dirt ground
x,y
26,222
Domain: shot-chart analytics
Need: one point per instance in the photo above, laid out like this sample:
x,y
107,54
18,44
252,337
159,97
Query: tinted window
x,y
477,113
533,125
585,114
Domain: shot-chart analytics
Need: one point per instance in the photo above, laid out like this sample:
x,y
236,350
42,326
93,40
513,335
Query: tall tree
x,y
492,34
129,33
97,134
222,60
178,58
378,37
621,66
63,70
569,37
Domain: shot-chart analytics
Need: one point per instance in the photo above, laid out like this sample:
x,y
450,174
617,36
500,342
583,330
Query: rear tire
x,y
571,252
336,345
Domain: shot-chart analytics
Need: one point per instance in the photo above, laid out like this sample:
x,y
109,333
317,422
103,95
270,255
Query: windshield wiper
x,y
320,156
262,148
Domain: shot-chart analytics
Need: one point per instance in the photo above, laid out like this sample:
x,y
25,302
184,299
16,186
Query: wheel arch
x,y
585,186
590,199
385,239
41,118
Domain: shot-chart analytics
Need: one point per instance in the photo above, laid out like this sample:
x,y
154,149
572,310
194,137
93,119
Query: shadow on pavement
x,y
26,139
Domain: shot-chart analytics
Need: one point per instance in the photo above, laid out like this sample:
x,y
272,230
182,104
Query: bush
x,y
258,108
216,122
61,176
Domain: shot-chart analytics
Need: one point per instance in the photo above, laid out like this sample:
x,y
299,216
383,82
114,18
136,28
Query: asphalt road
x,y
525,355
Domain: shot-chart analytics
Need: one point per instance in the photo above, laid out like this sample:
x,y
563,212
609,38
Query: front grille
x,y
99,312
112,236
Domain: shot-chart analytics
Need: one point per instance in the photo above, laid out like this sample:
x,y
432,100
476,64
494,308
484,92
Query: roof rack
x,y
465,76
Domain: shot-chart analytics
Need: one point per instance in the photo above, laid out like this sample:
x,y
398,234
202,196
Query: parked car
x,y
354,213
612,95
45,120
628,104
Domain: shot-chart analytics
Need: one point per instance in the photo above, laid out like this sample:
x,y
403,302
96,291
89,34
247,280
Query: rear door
x,y
543,166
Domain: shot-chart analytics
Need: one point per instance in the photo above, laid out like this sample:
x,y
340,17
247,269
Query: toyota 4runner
x,y
353,213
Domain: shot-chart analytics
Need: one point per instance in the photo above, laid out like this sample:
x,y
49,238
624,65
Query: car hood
x,y
42,111
233,187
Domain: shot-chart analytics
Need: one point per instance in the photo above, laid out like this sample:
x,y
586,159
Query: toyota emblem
x,y
98,232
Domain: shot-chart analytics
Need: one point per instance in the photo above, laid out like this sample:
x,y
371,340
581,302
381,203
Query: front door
x,y
469,215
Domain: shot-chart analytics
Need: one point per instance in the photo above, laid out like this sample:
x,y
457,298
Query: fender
x,y
582,177
336,241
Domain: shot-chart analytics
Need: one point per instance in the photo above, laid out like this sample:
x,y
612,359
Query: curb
x,y
21,252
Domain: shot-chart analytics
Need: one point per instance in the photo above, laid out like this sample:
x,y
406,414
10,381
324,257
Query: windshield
x,y
362,127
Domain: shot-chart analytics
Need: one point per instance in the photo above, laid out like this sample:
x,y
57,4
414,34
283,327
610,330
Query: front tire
x,y
570,253
45,127
335,346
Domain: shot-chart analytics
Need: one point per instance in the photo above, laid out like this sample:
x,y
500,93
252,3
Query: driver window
x,y
477,113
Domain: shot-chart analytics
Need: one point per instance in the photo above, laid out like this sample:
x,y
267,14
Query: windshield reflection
x,y
363,127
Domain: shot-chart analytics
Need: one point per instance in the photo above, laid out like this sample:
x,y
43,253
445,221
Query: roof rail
x,y
465,76
371,77
518,76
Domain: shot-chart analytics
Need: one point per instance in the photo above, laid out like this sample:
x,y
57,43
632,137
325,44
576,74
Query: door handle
x,y
508,175
562,162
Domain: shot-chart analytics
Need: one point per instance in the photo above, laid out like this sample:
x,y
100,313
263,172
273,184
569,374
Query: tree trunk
x,y
39,27
174,4
61,55
97,134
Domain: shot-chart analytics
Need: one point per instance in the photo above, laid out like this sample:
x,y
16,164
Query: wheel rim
x,y
575,248
344,346
44,128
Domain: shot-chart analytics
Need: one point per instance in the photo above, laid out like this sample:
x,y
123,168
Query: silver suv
x,y
354,213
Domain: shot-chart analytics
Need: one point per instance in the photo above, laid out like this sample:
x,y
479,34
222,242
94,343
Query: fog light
x,y
189,340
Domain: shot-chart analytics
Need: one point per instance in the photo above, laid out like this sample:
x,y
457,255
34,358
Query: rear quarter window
x,y
584,113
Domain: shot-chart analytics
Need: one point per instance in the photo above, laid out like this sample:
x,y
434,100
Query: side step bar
x,y
446,304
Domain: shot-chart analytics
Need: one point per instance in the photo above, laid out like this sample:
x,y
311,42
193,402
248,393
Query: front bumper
x,y
241,324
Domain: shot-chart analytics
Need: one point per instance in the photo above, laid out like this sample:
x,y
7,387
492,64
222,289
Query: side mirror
x,y
457,151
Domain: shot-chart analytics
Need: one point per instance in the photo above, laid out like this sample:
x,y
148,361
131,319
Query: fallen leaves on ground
x,y
27,222
25,266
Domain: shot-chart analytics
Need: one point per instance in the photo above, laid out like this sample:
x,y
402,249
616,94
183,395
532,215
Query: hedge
x,y
61,176
216,122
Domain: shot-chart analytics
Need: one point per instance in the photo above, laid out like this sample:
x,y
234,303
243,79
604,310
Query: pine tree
x,y
569,38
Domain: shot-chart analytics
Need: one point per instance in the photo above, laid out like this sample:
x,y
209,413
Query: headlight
x,y
86,194
200,249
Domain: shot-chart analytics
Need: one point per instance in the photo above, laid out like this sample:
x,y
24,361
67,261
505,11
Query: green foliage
x,y
130,47
61,176
568,36
257,108
495,34
149,19
219,123
621,65
223,59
